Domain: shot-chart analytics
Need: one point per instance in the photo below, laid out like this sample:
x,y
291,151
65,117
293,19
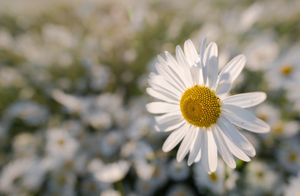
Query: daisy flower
x,y
194,103
293,187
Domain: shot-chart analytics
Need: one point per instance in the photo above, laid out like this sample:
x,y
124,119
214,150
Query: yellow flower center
x,y
260,174
278,128
286,70
61,142
293,157
200,106
213,177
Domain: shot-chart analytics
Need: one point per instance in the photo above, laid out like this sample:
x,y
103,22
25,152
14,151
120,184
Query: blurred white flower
x,y
180,190
260,52
30,112
145,187
111,142
91,186
220,182
6,40
158,179
25,174
142,155
250,16
139,128
100,75
93,110
285,129
61,182
268,113
159,176
261,178
59,36
293,188
289,155
279,128
60,145
108,173
72,103
144,169
284,71
110,192
26,144
10,77
293,95
29,47
177,170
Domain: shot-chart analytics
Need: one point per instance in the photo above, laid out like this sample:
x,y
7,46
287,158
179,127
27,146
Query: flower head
x,y
194,103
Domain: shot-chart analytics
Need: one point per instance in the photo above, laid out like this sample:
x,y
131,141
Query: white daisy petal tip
x,y
263,96
190,163
242,58
246,100
232,166
253,153
266,128
212,169
179,158
164,149
245,119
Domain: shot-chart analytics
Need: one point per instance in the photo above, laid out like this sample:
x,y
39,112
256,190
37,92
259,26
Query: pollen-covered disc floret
x,y
200,106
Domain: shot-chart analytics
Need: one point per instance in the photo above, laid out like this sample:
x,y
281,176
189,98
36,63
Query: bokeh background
x,y
73,76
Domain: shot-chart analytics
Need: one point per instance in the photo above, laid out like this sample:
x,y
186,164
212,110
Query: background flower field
x,y
73,76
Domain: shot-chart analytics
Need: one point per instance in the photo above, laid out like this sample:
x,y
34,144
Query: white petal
x,y
195,71
199,155
211,63
232,69
204,153
236,137
223,88
164,89
169,121
168,65
236,151
181,58
179,70
191,53
157,80
184,64
223,149
246,100
196,147
202,50
202,65
169,75
186,143
202,143
170,60
174,138
161,96
244,119
161,107
164,92
212,152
